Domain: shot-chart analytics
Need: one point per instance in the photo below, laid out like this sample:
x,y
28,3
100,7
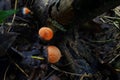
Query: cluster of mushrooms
x,y
46,34
54,54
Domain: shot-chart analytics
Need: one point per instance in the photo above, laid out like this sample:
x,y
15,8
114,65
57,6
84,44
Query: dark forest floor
x,y
20,45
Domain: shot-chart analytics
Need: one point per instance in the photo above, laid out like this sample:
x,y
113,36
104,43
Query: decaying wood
x,y
67,12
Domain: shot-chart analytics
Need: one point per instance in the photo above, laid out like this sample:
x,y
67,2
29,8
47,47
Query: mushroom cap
x,y
54,54
26,10
46,33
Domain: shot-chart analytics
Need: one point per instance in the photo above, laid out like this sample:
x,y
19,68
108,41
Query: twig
x,y
17,52
49,74
118,70
21,69
22,19
111,17
84,75
75,74
103,41
16,24
6,72
16,1
102,20
114,58
37,57
32,2
116,25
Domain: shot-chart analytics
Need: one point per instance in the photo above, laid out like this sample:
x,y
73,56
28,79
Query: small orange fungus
x,y
26,10
54,54
46,33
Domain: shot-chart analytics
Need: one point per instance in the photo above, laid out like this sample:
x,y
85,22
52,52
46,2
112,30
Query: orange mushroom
x,y
26,10
54,54
46,33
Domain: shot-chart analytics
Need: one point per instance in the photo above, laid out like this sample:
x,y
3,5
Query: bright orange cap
x,y
54,54
26,10
46,33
